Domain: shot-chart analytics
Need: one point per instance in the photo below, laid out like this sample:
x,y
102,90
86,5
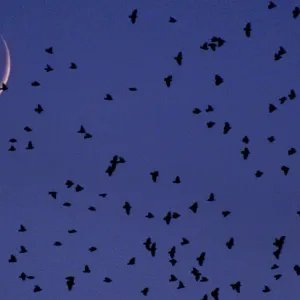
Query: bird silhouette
x,y
53,194
172,252
92,249
145,291
172,278
149,215
236,286
133,16
72,231
57,243
209,108
175,215
218,80
35,83
79,188
39,109
131,261
29,146
27,129
196,111
292,95
230,243
132,89
226,128
22,228
245,153
271,139
12,259
73,66
297,269
127,208
168,218
154,175
67,204
226,213
271,5
168,80
48,68
201,259
274,267
194,207
285,170
266,289
172,20
210,124
215,294
37,289
153,249
107,280
177,180
70,282
184,241
282,100
296,12
178,58
4,87
277,276
23,276
23,249
211,197
49,50
180,285
248,29
204,46
69,183
259,173
86,269
272,108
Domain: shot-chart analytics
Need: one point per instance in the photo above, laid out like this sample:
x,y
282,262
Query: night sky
x,y
152,128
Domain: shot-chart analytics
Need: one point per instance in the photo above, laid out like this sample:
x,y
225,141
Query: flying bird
x,y
107,280
204,46
177,180
184,241
35,83
39,109
154,175
210,124
271,139
266,289
178,58
285,170
108,97
248,29
259,173
172,20
292,95
218,80
230,243
73,66
69,183
29,146
37,289
236,286
132,89
131,261
296,12
127,208
49,50
168,80
145,291
226,128
149,215
226,213
133,16
53,194
272,108
196,111
48,68
194,207
271,5
79,188
22,228
201,259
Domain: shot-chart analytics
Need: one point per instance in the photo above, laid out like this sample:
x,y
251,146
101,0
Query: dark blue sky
x,y
153,128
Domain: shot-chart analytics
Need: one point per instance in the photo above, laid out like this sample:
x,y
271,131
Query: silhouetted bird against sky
x,y
69,183
209,108
245,153
266,289
132,89
73,66
201,259
184,241
274,267
178,58
292,95
172,252
271,139
271,5
133,16
131,261
204,46
92,249
296,12
194,207
218,80
272,108
168,218
35,83
285,170
172,278
145,291
177,180
226,213
248,29
236,286
210,124
4,87
107,280
230,243
180,285
215,294
259,173
108,97
149,215
22,228
49,50
226,128
172,20
282,100
168,80
211,197
53,194
79,188
27,129
277,276
86,269
48,68
196,111
297,269
154,175
37,289
39,109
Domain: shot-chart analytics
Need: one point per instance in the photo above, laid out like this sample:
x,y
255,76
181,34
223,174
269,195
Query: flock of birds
x,y
213,44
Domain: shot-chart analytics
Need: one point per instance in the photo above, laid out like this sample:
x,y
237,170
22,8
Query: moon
x,y
8,64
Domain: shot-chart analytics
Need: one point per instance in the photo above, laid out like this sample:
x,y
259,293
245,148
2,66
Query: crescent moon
x,y
8,64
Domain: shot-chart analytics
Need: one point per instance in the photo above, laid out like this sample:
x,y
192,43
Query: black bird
x,y
279,242
133,16
271,139
23,276
12,140
201,259
148,243
296,12
4,87
86,269
211,197
149,215
277,252
194,207
272,108
248,29
172,252
274,267
35,83
218,80
168,80
103,195
205,297
12,259
196,273
226,128
204,46
69,183
175,215
132,89
292,95
72,231
281,51
23,249
220,42
145,291
107,279
131,261
277,56
277,276
297,270
39,109
210,124
53,194
178,58
70,283
27,129
285,170
212,46
282,100
49,50
271,5
92,208
236,286
48,68
168,218
57,243
177,180
87,136
173,261
29,146
259,173
22,228
108,97
172,278
12,148
73,66
266,289
92,249
180,285
230,243
172,20
37,289
79,188
209,108
154,175
204,279
153,249
196,111
215,293
81,130
67,204
226,213
184,241
127,208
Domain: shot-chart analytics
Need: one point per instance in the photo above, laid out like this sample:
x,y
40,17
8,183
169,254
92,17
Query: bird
x,y
148,243
70,282
172,278
245,153
292,95
296,12
285,170
215,293
92,208
145,291
81,130
274,267
204,279
103,195
211,197
12,259
23,249
205,297
173,261
180,285
282,100
266,289
196,111
132,89
108,97
86,269
168,80
131,261
49,50
281,51
92,249
149,215
35,83
133,16
218,80
184,241
177,180
154,175
127,208
236,286
87,136
29,146
272,108
48,68
212,46
12,140
73,66
37,289
39,109
209,108
196,273
194,207
172,252
248,29
172,20
226,213
69,183
201,259
210,124
67,204
107,280
72,231
277,56
23,276
230,243
297,269
153,249
271,5
57,243
22,228
79,188
277,276
204,46
175,215
27,129
53,194
226,128
178,58
259,173
168,218
271,139
12,148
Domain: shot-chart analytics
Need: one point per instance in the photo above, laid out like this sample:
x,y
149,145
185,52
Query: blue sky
x,y
153,128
